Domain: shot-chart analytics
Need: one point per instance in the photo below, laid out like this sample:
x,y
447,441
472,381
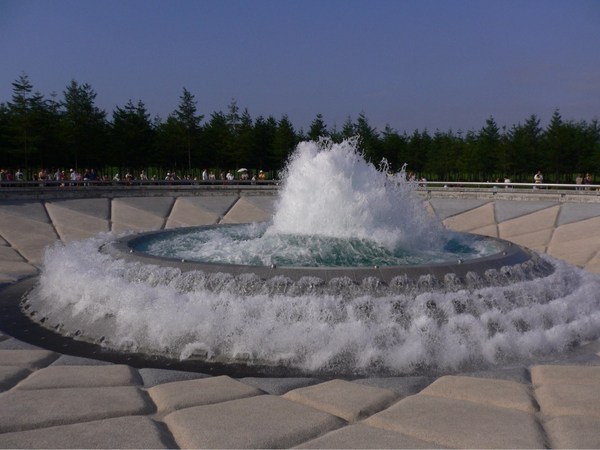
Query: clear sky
x,y
412,64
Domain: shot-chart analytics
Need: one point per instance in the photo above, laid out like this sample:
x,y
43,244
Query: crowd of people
x,y
90,176
75,176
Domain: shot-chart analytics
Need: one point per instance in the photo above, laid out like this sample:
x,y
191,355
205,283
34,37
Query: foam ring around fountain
x,y
511,263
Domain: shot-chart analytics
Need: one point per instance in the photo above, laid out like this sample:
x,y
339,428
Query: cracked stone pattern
x,y
53,400
566,230
111,406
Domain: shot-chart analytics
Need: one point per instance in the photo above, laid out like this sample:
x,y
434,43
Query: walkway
x,y
50,400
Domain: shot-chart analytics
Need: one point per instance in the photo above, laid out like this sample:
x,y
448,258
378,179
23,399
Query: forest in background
x,y
72,132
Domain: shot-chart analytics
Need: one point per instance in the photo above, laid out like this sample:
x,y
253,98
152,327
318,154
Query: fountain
x,y
353,276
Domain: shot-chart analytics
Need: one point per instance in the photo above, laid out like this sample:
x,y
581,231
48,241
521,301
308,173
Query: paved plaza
x,y
54,400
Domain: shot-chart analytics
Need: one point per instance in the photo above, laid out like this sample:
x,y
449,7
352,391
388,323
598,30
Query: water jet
x,y
352,276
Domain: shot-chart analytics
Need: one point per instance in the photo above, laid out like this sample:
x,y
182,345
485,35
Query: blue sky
x,y
412,64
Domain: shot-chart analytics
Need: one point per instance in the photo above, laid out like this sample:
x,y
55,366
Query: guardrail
x,y
172,183
502,185
102,183
36,190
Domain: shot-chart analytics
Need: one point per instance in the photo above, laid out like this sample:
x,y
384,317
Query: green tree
x,y
490,152
523,149
84,126
348,129
394,148
560,148
187,121
370,143
23,120
317,129
217,138
418,150
469,159
244,141
442,156
132,135
264,139
284,142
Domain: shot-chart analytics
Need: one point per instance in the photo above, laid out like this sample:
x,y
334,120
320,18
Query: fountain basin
x,y
463,312
509,263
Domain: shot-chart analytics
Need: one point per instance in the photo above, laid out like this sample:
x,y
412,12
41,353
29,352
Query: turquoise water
x,y
253,245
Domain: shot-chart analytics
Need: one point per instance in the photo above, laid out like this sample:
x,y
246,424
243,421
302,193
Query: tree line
x,y
71,131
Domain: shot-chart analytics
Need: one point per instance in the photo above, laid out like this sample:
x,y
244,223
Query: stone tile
x,y
73,225
187,213
537,240
121,432
511,209
500,393
541,375
488,230
518,374
218,204
28,209
264,421
154,377
577,242
29,409
362,436
459,423
140,213
265,203
576,231
156,206
593,265
16,344
577,212
344,399
245,211
11,375
184,394
569,399
448,207
574,432
472,220
70,360
15,270
81,377
403,386
203,210
429,208
98,208
10,255
279,386
537,221
27,358
576,252
28,237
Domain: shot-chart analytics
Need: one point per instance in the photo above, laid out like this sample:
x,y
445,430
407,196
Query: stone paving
x,y
52,400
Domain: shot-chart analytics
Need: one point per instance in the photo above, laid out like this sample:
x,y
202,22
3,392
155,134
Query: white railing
x,y
456,185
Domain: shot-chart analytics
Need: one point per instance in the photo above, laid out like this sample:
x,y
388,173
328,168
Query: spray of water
x,y
329,189
335,209
158,309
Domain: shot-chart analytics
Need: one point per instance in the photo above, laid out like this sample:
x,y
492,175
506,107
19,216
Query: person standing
x,y
538,178
579,182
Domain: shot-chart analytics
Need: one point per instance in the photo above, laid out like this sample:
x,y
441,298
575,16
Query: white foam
x,y
328,190
156,308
